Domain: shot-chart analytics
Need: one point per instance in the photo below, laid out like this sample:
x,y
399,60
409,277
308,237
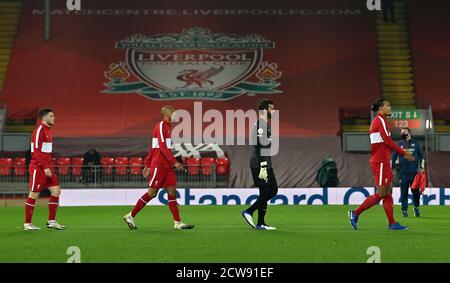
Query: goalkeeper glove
x,y
263,171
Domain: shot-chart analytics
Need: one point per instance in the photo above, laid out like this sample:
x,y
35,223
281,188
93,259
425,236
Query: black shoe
x,y
416,212
405,213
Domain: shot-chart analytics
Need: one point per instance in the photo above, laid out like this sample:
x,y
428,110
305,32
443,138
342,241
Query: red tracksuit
x,y
420,181
41,158
381,145
160,159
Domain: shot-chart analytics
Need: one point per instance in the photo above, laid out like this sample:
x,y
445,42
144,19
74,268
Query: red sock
x,y
53,203
141,203
368,203
388,204
29,209
173,206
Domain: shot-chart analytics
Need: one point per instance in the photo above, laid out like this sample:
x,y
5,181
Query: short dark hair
x,y
406,128
377,104
264,104
44,112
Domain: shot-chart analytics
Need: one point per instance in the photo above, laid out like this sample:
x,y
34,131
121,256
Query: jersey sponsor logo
x,y
47,147
194,64
376,138
260,132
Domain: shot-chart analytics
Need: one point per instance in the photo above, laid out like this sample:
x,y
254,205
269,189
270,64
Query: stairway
x,y
395,66
9,19
394,59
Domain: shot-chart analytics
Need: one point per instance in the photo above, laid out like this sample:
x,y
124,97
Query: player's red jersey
x,y
160,155
41,147
381,142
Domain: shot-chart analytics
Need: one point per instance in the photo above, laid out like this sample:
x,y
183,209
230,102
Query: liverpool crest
x,y
195,64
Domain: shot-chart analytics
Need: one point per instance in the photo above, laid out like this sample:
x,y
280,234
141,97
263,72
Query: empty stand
x,y
5,166
20,168
136,165
121,165
107,165
63,164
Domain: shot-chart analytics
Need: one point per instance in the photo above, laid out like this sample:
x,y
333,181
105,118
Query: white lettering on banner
x,y
200,12
243,196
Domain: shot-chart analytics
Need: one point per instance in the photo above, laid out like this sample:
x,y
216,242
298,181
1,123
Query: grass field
x,y
305,234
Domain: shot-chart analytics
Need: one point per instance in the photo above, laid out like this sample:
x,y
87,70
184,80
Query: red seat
x,y
5,166
136,164
63,164
206,165
107,165
121,165
20,167
193,165
222,166
77,165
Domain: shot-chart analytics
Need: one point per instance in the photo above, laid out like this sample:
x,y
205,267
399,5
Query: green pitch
x,y
305,234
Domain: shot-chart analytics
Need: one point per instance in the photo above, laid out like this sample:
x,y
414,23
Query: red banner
x,y
108,69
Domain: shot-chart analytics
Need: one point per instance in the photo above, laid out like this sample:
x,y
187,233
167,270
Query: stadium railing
x,y
14,179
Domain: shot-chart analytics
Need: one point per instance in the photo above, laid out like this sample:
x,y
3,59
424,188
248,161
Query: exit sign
x,y
415,119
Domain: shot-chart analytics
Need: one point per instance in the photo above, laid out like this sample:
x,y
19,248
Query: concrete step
x,y
394,52
392,28
392,76
392,33
394,57
395,63
397,88
393,46
397,82
402,39
442,129
396,69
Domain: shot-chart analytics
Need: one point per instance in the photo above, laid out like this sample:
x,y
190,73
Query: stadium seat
x,y
63,164
193,165
107,165
20,167
121,165
136,164
5,166
222,166
206,165
77,164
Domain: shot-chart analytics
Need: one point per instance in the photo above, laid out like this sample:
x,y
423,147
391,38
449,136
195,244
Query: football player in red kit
x,y
380,162
159,171
42,174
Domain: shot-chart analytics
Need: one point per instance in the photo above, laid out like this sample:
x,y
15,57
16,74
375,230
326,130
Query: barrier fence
x,y
16,179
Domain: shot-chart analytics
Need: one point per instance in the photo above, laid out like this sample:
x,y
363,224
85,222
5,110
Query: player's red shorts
x,y
38,180
162,178
382,173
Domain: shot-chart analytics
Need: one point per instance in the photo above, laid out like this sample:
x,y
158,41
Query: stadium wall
x,y
325,50
286,196
430,49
